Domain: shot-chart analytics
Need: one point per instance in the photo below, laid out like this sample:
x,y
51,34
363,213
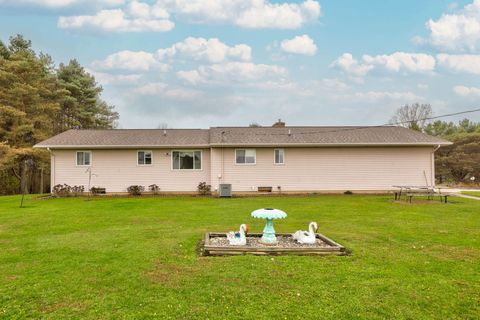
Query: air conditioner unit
x,y
225,190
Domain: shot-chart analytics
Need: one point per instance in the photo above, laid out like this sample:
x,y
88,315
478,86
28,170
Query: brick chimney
x,y
279,124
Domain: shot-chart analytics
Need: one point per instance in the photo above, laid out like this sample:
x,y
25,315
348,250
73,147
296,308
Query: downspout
x,y
52,169
222,171
432,165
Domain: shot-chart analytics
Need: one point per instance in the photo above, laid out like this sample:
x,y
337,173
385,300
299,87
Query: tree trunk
x,y
41,180
23,178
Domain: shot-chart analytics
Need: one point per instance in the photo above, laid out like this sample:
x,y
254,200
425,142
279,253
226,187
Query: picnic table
x,y
410,191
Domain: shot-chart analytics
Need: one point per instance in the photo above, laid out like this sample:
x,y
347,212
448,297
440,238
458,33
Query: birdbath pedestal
x,y
269,214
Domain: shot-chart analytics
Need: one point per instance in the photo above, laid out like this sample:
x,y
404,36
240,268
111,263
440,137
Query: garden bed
x,y
216,244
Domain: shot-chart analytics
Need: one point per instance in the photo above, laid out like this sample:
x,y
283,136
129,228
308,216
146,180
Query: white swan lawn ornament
x,y
306,237
238,238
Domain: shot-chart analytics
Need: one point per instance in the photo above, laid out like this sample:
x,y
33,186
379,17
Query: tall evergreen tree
x,y
27,96
83,108
36,102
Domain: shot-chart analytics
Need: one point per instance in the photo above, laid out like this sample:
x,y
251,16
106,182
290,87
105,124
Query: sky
x,y
202,63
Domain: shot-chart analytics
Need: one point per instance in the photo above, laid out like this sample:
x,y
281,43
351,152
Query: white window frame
x,y
192,151
246,164
83,165
275,159
144,164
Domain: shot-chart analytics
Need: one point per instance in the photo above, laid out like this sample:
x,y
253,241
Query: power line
x,y
436,117
359,127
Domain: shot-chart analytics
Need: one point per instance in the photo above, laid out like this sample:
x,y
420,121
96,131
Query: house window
x,y
245,156
84,158
187,160
279,155
144,158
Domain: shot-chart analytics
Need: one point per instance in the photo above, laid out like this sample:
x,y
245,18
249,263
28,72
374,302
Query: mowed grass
x,y
135,258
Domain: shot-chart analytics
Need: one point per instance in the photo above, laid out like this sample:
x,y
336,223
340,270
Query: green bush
x,y
204,189
135,190
153,188
64,190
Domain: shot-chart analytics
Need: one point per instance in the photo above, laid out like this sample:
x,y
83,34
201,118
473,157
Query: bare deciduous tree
x,y
412,116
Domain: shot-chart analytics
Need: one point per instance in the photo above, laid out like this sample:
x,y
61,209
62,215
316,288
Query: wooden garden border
x,y
207,249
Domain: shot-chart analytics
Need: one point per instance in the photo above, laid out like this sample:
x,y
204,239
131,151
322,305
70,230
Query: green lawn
x,y
472,193
125,258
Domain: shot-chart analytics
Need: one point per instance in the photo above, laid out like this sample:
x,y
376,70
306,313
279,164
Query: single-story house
x,y
251,159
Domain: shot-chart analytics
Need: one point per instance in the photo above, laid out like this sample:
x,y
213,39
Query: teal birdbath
x,y
269,214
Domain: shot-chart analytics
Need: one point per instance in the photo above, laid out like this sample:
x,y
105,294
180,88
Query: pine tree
x,y
83,108
36,102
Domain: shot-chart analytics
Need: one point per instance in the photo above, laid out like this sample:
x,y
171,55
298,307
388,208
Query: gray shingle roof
x,y
240,136
128,138
321,136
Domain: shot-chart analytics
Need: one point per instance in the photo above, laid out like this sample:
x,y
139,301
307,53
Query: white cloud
x,y
241,71
352,66
276,85
192,76
422,86
395,62
137,17
115,79
402,61
57,4
332,83
457,31
131,61
211,50
165,90
299,45
233,72
246,13
145,11
466,91
466,63
376,96
304,88
283,16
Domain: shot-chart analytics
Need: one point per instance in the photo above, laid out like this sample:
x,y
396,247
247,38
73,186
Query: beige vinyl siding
x,y
305,169
326,169
115,170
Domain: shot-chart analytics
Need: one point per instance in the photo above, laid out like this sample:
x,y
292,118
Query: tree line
x,y
457,163
39,100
